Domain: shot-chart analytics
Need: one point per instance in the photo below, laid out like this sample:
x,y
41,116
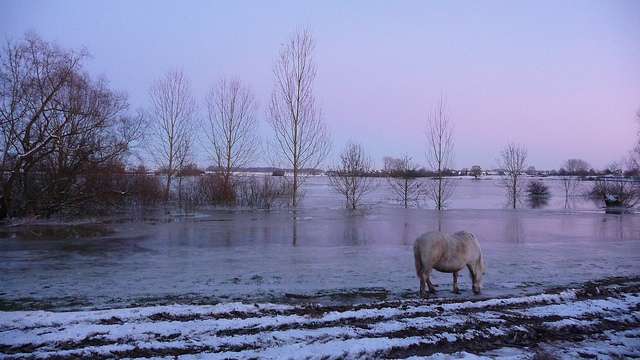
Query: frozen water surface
x,y
319,253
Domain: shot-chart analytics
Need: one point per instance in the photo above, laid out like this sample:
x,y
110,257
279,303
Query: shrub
x,y
144,189
263,193
537,188
626,193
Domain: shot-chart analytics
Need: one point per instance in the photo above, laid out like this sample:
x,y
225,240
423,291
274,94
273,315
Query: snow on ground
x,y
596,319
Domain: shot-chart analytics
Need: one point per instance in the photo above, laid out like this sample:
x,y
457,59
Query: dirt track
x,y
591,320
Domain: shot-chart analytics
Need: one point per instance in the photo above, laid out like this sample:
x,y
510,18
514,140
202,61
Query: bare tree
x,y
577,167
439,155
172,111
569,180
231,128
32,79
183,158
513,161
402,176
633,161
351,178
57,128
301,137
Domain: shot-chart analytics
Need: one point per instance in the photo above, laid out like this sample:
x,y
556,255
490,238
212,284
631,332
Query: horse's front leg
x,y
425,283
456,289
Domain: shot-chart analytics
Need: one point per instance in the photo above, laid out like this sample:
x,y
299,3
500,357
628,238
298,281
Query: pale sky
x,y
560,77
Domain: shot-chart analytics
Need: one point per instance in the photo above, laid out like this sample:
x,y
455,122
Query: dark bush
x,y
263,193
621,192
537,188
144,189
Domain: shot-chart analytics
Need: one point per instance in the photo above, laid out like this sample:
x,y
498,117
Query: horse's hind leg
x,y
423,284
456,289
432,287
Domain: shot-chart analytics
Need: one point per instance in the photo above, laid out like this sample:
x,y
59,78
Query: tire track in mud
x,y
395,329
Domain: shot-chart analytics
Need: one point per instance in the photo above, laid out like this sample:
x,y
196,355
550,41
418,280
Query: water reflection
x,y
514,230
354,233
612,228
294,230
219,252
538,202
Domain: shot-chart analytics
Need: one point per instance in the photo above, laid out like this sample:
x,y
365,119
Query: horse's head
x,y
478,271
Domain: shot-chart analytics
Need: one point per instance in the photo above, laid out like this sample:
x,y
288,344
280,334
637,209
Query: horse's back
x,y
447,252
468,240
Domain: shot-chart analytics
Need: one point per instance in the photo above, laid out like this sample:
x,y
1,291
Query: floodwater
x,y
318,253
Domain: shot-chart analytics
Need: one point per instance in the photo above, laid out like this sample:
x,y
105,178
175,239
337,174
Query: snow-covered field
x,y
595,319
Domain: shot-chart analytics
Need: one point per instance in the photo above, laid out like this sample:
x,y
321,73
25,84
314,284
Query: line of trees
x,y
300,138
66,135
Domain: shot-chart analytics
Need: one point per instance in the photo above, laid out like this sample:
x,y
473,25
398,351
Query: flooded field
x,y
320,253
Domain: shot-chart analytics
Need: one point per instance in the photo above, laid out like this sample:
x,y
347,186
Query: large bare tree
x,y
402,176
171,114
439,155
300,136
231,128
351,177
33,77
513,160
57,127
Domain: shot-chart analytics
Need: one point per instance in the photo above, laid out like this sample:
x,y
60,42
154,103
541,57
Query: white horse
x,y
450,254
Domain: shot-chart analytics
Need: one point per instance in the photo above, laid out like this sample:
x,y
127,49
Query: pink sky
x,y
563,78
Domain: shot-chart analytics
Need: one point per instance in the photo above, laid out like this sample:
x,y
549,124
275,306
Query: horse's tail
x,y
480,263
416,255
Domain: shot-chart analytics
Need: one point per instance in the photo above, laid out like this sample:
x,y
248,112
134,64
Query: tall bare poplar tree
x,y
231,128
634,156
172,111
513,159
301,137
439,155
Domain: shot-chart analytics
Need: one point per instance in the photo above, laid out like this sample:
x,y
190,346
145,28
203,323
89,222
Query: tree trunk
x,y
515,190
294,200
439,201
168,188
180,189
5,203
406,191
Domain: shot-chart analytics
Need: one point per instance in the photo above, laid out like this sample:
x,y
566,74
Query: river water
x,y
318,253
